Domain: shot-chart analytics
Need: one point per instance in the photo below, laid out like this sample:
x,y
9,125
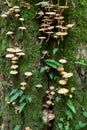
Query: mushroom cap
x,y
50,27
17,10
23,83
52,87
60,68
17,49
16,7
20,54
63,61
14,66
50,32
13,62
28,128
39,86
41,38
72,89
28,74
9,33
50,13
21,19
67,75
13,72
22,28
48,102
51,116
59,17
10,49
17,15
3,16
63,82
52,93
15,58
23,88
61,33
63,91
69,25
63,7
10,55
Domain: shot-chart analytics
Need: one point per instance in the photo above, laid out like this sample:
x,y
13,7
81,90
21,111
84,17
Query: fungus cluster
x,y
14,54
52,22
48,105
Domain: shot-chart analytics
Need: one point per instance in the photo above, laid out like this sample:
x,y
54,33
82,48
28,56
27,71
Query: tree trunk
x,y
72,47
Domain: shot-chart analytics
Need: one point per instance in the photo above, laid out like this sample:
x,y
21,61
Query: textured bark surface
x,y
73,48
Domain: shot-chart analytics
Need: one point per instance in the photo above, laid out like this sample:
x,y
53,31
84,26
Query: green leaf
x,y
67,126
42,69
22,98
80,125
22,107
85,114
42,3
57,99
60,126
81,63
14,97
29,99
52,63
69,114
71,106
13,91
56,5
20,92
51,75
55,50
17,127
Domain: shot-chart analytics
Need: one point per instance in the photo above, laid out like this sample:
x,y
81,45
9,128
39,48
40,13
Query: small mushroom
x,y
69,25
28,74
62,82
51,116
28,128
22,29
67,75
14,66
17,16
48,102
13,72
60,68
22,21
63,91
4,16
52,87
39,86
41,38
63,61
23,84
72,89
10,50
10,55
9,33
20,54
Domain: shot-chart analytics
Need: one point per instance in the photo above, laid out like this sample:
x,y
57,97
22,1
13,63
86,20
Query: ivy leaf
x,y
51,75
60,126
56,5
55,50
22,107
22,98
85,114
42,69
52,63
42,3
71,106
14,97
13,91
67,126
80,125
69,114
81,63
29,99
17,127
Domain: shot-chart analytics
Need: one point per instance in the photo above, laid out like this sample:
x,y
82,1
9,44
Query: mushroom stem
x,y
41,42
66,3
7,3
48,38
